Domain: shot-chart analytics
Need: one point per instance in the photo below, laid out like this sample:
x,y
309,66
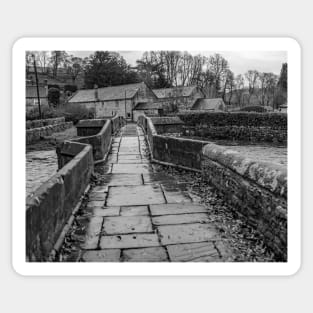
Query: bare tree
x,y
228,85
239,88
267,88
56,59
43,59
218,67
252,78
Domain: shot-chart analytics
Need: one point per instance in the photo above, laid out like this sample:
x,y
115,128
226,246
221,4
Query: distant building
x,y
108,101
32,98
149,109
181,97
211,105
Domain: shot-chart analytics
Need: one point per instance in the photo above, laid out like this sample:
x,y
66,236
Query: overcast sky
x,y
239,61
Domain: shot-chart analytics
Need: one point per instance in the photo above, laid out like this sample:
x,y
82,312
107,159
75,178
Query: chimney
x,y
96,92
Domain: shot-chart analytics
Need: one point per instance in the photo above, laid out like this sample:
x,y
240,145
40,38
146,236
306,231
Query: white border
x,y
157,269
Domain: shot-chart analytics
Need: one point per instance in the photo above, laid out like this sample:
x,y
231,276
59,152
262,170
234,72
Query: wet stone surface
x,y
157,254
135,195
194,252
127,225
133,214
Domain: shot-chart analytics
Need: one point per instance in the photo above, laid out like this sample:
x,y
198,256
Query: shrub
x,y
253,108
46,112
54,96
75,112
71,112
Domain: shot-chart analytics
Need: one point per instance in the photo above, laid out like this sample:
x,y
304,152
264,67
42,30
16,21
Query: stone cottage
x,y
210,105
180,97
108,101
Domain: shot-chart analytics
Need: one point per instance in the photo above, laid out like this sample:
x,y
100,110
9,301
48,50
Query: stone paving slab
x,y
174,194
97,196
112,158
106,211
176,208
186,233
109,255
122,179
129,241
94,204
131,168
127,225
194,252
154,254
100,189
154,178
132,161
135,195
91,232
134,210
180,219
125,157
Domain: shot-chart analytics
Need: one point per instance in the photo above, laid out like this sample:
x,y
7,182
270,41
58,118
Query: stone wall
x,y
101,141
256,190
245,126
167,124
89,127
45,122
178,151
117,123
35,134
50,206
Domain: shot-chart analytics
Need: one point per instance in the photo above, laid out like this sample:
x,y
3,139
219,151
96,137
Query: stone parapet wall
x,y
100,142
89,127
45,122
178,151
117,123
35,134
167,124
256,190
50,206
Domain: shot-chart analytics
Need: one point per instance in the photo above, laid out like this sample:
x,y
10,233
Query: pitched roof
x,y
174,92
31,92
209,104
106,93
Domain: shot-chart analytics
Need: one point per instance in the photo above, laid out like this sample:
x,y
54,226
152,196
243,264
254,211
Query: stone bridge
x,y
135,214
131,212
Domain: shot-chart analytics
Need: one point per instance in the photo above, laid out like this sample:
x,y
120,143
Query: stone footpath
x,y
134,214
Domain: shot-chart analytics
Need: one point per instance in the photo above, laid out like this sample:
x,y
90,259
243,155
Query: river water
x,y
40,166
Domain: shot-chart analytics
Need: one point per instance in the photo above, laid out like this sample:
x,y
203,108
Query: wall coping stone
x,y
268,175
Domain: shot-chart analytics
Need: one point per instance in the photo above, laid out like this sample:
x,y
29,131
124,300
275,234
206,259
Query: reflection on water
x,y
40,166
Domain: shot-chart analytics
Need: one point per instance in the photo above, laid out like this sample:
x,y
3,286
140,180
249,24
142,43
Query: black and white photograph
x,y
156,156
